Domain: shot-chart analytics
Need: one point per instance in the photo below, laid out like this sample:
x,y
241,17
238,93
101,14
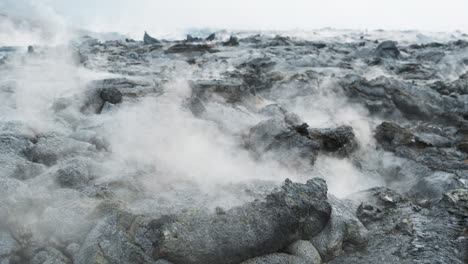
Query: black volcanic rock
x,y
111,95
211,37
148,40
388,49
289,213
233,41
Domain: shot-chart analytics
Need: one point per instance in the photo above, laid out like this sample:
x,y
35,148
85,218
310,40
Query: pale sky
x,y
129,15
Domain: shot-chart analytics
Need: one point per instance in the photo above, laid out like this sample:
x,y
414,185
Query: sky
x,y
135,15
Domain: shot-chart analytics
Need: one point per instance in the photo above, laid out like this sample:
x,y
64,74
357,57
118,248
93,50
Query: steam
x,y
155,149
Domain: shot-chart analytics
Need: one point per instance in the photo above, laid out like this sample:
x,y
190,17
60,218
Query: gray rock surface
x,y
169,151
277,258
306,251
253,229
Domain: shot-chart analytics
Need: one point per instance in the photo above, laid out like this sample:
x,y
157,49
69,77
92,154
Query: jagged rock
x,y
255,73
405,144
273,136
367,213
233,41
50,181
405,226
276,258
127,87
390,97
211,37
344,232
340,140
261,227
457,201
108,242
414,71
148,40
111,95
192,39
459,86
403,233
258,64
391,135
306,251
388,49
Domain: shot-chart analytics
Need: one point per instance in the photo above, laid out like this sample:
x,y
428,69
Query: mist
x,y
100,125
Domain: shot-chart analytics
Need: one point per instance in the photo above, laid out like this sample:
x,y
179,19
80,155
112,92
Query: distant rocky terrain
x,y
234,149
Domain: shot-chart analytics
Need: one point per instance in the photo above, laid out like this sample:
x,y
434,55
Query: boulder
x,y
75,173
293,212
111,95
306,251
391,135
211,37
192,39
290,213
340,141
344,231
388,49
275,137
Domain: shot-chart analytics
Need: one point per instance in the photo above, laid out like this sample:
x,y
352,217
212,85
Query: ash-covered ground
x,y
325,147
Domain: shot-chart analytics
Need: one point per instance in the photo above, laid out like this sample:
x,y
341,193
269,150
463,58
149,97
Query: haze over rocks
x,y
235,148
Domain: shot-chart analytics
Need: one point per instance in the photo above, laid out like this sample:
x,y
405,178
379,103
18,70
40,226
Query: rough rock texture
x,y
296,211
306,251
148,40
404,232
388,49
169,151
344,232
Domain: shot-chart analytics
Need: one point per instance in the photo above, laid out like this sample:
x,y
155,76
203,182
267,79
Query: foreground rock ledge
x,y
293,212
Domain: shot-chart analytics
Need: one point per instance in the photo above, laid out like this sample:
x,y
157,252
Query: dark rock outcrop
x,y
388,49
295,211
233,41
148,40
